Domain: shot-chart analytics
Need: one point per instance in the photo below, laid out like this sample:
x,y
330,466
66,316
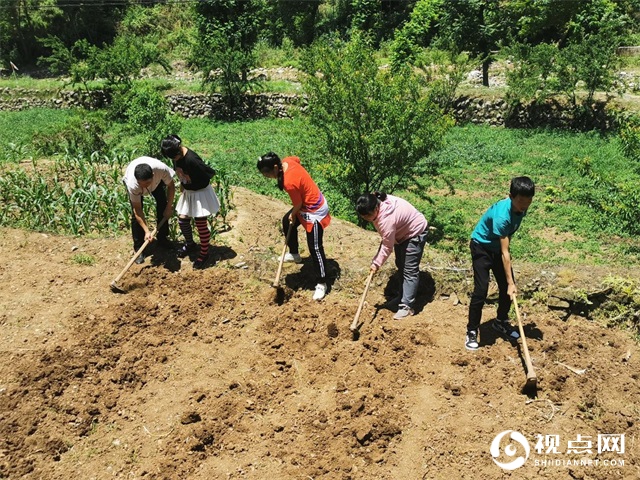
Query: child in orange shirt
x,y
310,210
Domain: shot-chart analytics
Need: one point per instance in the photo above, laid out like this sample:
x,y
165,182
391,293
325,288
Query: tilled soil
x,y
201,374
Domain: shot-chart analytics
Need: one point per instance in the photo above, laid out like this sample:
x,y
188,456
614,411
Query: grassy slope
x,y
476,166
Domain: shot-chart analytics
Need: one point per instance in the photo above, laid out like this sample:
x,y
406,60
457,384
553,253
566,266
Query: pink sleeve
x,y
386,229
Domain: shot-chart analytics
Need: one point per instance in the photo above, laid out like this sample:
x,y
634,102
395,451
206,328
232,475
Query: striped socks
x,y
185,228
205,236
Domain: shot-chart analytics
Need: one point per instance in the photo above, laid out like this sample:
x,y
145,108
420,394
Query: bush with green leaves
x,y
584,63
415,34
532,67
443,72
117,64
225,51
376,127
630,138
226,70
81,135
147,114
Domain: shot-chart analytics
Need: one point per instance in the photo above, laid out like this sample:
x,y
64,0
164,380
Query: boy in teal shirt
x,y
490,252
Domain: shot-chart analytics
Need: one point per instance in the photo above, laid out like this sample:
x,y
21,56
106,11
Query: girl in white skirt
x,y
197,199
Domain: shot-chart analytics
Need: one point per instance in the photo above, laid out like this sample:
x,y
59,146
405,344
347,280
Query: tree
x,y
582,63
22,22
379,18
118,64
227,33
378,127
415,33
474,26
293,19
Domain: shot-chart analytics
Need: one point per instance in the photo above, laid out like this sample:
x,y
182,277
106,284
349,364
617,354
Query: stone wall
x,y
549,114
279,105
15,99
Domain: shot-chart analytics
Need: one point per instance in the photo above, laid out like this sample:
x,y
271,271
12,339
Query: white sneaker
x,y
403,312
291,258
321,291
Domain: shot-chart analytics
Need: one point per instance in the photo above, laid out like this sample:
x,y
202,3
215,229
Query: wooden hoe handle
x,y
354,324
531,375
138,252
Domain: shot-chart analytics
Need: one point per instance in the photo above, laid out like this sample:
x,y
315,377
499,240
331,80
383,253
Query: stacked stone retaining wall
x,y
279,105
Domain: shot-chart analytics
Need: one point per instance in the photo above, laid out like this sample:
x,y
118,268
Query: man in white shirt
x,y
149,176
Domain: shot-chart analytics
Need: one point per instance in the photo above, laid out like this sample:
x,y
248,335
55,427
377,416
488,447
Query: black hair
x,y
267,164
522,186
171,146
368,202
143,172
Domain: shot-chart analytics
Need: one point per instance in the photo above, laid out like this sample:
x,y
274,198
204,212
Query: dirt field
x,y
200,375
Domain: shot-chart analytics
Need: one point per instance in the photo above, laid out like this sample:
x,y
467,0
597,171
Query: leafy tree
x,y
147,114
529,79
293,19
443,73
379,18
474,26
334,18
22,22
415,33
118,64
534,22
227,34
583,63
378,128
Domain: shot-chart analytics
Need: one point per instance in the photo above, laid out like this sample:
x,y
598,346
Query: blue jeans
x,y
408,255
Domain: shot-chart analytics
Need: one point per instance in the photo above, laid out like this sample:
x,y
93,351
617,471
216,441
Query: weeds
x,y
84,259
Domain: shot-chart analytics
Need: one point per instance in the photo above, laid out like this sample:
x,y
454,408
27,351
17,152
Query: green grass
x,y
575,216
25,81
478,163
19,128
84,259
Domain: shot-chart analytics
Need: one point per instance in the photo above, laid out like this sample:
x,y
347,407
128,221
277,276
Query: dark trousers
x,y
137,232
408,255
314,244
485,261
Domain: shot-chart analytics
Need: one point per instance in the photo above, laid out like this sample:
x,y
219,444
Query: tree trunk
x,y
485,72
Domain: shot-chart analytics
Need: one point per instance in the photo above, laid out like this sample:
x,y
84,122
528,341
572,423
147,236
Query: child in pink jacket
x,y
404,230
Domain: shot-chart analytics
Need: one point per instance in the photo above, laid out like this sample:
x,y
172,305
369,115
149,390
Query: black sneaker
x,y
201,262
140,259
472,341
505,328
186,249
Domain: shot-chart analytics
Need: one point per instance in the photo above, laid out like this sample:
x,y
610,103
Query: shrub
x,y
630,138
81,135
377,127
147,114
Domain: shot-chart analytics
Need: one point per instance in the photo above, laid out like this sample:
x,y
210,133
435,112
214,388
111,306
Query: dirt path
x,y
199,375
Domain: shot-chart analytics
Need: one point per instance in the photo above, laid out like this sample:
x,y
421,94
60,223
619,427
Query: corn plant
x,y
75,195
222,186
